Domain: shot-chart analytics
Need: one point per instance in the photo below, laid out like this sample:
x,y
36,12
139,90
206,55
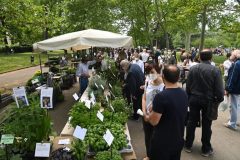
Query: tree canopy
x,y
183,23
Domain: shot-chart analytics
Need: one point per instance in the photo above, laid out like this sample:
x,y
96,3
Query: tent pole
x,y
40,63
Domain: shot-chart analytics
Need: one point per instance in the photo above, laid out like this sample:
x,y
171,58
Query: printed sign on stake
x,y
96,85
75,96
88,104
108,137
42,150
102,87
106,98
46,97
110,85
7,139
100,116
112,108
80,133
20,96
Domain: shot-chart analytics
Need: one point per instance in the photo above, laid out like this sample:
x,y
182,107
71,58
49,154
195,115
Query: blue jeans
x,y
83,84
235,106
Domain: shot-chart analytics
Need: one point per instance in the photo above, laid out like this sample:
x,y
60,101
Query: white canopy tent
x,y
83,40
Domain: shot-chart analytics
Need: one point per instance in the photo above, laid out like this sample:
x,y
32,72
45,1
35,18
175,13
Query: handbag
x,y
212,110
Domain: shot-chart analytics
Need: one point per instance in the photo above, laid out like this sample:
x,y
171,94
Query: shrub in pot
x,y
31,124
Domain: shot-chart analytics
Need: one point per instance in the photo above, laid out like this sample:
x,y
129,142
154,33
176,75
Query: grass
x,y
11,62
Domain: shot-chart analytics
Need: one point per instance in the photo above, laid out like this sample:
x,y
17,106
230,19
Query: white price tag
x,y
96,85
102,87
64,141
75,96
100,116
108,137
112,108
88,103
106,98
93,99
110,85
42,150
80,133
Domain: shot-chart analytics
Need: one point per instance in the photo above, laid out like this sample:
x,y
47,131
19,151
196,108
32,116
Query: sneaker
x,y
188,149
230,127
207,154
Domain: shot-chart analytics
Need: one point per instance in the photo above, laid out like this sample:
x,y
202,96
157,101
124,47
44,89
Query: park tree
x,y
85,14
135,16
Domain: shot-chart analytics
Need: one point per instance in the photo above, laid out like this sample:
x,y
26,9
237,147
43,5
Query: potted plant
x,y
31,124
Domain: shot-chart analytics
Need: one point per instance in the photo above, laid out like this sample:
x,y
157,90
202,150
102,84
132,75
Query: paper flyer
x,y
20,96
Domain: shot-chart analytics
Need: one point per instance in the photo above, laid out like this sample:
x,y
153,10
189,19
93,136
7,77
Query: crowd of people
x,y
151,82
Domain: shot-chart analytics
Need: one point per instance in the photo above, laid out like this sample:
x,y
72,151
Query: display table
x,y
68,130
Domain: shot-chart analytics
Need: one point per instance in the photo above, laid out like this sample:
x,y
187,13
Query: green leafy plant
x,y
106,155
31,124
95,136
79,149
82,116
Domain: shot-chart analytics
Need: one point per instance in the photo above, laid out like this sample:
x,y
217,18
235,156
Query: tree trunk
x,y
134,33
167,40
187,41
204,22
147,26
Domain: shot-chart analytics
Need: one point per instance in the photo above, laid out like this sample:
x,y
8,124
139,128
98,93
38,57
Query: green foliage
x,y
117,90
106,155
120,105
82,116
95,136
79,149
31,123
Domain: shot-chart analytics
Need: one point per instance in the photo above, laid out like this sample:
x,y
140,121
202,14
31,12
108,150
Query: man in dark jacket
x,y
134,79
233,89
204,88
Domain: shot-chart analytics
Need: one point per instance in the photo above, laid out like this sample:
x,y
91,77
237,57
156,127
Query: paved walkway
x,y
18,78
225,142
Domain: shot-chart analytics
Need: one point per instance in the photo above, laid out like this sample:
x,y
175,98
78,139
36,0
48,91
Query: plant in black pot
x,y
31,125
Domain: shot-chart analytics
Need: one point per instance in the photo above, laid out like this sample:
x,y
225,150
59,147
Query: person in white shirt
x,y
153,86
83,73
138,61
226,65
144,55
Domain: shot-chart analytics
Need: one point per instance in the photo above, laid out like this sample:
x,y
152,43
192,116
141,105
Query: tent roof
x,y
85,39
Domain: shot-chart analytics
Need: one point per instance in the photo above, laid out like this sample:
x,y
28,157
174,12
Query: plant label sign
x,y
96,85
75,96
88,104
100,116
64,141
108,137
7,139
93,99
102,86
80,133
106,98
112,108
110,85
46,97
42,150
20,96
